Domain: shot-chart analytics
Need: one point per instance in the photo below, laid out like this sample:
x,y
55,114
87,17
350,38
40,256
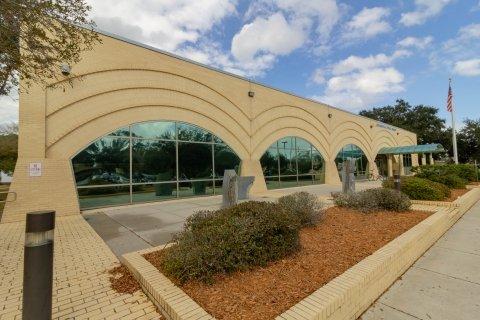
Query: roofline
x,y
148,47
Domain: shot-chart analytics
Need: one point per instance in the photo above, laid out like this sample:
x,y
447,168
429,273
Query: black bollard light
x,y
396,181
38,266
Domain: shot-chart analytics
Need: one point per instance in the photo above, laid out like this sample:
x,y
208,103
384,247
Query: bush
x,y
421,189
303,205
373,200
464,171
227,240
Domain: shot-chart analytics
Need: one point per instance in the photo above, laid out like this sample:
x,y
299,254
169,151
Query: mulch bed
x,y
122,280
456,193
342,239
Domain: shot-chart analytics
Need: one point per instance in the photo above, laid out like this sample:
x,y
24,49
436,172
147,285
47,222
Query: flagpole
x,y
454,133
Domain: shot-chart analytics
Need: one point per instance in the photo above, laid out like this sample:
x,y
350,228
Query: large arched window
x,y
292,162
353,152
151,161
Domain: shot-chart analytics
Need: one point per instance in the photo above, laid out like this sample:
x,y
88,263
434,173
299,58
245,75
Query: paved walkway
x,y
81,288
131,228
444,284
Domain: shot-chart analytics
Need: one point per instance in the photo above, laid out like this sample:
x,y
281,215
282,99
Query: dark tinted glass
x,y
154,130
106,161
305,180
103,196
304,160
188,132
288,164
196,188
272,183
286,143
153,160
269,162
154,192
122,132
302,144
194,160
225,159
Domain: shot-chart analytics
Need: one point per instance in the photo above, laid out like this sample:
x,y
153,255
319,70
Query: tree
x,y
38,36
421,119
8,147
468,141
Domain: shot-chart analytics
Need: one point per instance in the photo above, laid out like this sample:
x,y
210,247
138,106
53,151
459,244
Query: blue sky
x,y
350,54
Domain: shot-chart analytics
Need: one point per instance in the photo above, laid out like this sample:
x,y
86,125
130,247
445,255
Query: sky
x,y
350,54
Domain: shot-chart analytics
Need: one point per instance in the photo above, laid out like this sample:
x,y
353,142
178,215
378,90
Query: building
x,y
131,124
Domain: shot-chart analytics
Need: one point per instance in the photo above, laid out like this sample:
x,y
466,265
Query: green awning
x,y
422,148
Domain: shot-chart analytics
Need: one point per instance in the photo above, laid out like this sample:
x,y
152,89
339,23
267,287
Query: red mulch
x,y
456,193
122,280
341,240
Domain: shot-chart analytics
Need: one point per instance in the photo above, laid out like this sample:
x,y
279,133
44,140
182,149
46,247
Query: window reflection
x,y
299,163
106,161
166,159
354,152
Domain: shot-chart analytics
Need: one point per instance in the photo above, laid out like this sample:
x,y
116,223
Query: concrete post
x,y
390,165
424,159
400,161
431,158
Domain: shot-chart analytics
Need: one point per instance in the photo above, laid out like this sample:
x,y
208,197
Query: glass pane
x,y
317,162
302,144
305,180
122,132
188,132
288,164
153,160
225,159
286,143
106,161
154,192
195,188
103,196
194,160
154,130
217,139
272,183
304,159
288,181
269,162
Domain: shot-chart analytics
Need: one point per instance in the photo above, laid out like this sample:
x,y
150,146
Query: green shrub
x,y
304,205
373,200
226,240
421,189
463,171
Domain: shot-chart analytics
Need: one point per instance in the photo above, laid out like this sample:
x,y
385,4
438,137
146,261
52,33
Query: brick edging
x,y
167,297
345,297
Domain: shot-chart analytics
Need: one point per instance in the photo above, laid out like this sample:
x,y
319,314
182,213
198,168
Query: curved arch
x,y
98,127
389,135
285,122
382,142
355,125
347,138
52,85
260,148
310,115
407,139
108,109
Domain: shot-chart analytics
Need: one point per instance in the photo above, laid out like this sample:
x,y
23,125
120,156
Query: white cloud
x,y
468,68
9,108
318,76
368,23
357,82
164,24
267,37
414,42
424,9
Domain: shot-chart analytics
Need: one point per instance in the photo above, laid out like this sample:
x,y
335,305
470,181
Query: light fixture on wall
x,y
330,115
251,94
65,69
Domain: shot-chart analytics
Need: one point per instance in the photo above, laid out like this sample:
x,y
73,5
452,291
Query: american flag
x,y
449,99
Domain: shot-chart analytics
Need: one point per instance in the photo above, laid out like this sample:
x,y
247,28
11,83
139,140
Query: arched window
x,y
355,153
292,162
151,161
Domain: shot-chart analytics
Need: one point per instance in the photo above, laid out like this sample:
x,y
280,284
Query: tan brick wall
x,y
119,83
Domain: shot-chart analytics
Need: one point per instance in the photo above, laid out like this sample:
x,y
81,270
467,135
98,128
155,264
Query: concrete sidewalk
x,y
136,227
444,284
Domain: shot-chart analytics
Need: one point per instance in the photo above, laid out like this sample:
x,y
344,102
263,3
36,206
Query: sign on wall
x,y
35,169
